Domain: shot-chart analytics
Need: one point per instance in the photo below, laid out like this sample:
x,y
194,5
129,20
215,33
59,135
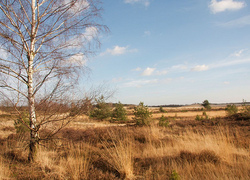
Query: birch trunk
x,y
31,98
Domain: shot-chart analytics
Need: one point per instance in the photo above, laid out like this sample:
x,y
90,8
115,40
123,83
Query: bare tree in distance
x,y
44,47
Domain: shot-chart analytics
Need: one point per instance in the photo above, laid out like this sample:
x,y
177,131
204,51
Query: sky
x,y
174,52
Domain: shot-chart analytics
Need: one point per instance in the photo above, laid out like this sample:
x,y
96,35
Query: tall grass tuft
x,y
4,170
119,153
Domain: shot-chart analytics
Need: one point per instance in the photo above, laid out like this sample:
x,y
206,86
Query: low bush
x,y
21,123
102,110
119,113
142,114
231,109
164,122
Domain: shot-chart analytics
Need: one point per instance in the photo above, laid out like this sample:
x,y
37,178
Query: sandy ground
x,y
191,114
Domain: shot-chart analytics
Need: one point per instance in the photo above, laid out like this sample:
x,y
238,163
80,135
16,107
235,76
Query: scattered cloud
x,y
179,67
148,71
224,5
90,33
137,69
167,80
3,53
240,22
86,37
80,4
200,68
163,72
78,59
118,50
238,53
230,63
140,83
146,3
116,80
147,33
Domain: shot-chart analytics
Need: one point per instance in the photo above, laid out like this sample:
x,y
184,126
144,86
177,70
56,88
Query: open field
x,y
213,148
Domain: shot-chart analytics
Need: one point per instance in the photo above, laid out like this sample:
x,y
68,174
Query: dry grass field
x,y
213,148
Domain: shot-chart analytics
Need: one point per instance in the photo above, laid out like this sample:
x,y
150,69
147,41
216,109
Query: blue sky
x,y
175,52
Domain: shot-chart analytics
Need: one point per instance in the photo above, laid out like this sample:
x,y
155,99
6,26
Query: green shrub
x,y
231,109
102,110
206,104
198,118
174,176
21,123
161,109
164,122
202,117
142,114
246,108
119,113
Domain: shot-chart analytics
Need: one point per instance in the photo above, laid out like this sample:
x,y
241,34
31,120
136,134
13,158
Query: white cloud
x,y
226,82
163,72
179,67
238,53
118,50
90,33
86,37
148,71
140,83
240,22
116,80
167,80
80,4
146,3
230,63
3,54
200,68
223,5
137,69
147,33
78,59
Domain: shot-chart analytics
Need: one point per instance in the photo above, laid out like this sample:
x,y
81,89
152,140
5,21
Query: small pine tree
x,y
174,176
164,122
102,110
19,125
206,104
161,109
119,113
142,114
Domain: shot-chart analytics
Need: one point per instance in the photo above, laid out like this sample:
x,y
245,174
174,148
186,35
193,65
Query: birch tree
x,y
44,45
